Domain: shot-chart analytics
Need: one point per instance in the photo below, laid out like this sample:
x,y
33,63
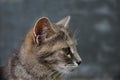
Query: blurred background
x,y
95,24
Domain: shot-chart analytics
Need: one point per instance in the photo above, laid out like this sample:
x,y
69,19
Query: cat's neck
x,y
36,74
28,72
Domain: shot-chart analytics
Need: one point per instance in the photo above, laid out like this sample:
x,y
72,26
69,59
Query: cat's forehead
x,y
63,36
70,38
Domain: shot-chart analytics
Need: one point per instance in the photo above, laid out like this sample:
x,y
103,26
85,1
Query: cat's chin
x,y
66,69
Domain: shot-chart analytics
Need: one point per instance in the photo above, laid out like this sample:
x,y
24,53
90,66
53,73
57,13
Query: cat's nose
x,y
78,62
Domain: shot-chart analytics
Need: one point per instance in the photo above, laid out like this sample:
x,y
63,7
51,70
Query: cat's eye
x,y
66,50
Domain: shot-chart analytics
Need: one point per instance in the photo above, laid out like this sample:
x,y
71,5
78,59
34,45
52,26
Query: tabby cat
x,y
48,51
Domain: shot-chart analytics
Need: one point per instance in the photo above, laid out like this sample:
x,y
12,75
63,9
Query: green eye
x,y
66,50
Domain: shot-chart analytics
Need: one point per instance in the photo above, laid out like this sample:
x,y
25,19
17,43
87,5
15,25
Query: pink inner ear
x,y
42,29
41,26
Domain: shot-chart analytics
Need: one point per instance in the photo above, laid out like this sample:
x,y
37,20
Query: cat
x,y
48,51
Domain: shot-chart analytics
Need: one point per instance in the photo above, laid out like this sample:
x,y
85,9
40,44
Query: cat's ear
x,y
64,22
42,30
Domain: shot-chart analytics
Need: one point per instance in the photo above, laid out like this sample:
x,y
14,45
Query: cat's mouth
x,y
71,67
67,68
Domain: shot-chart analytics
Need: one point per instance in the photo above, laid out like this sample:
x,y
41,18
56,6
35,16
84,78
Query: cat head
x,y
54,45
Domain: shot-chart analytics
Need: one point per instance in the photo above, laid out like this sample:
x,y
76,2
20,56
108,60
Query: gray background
x,y
95,23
